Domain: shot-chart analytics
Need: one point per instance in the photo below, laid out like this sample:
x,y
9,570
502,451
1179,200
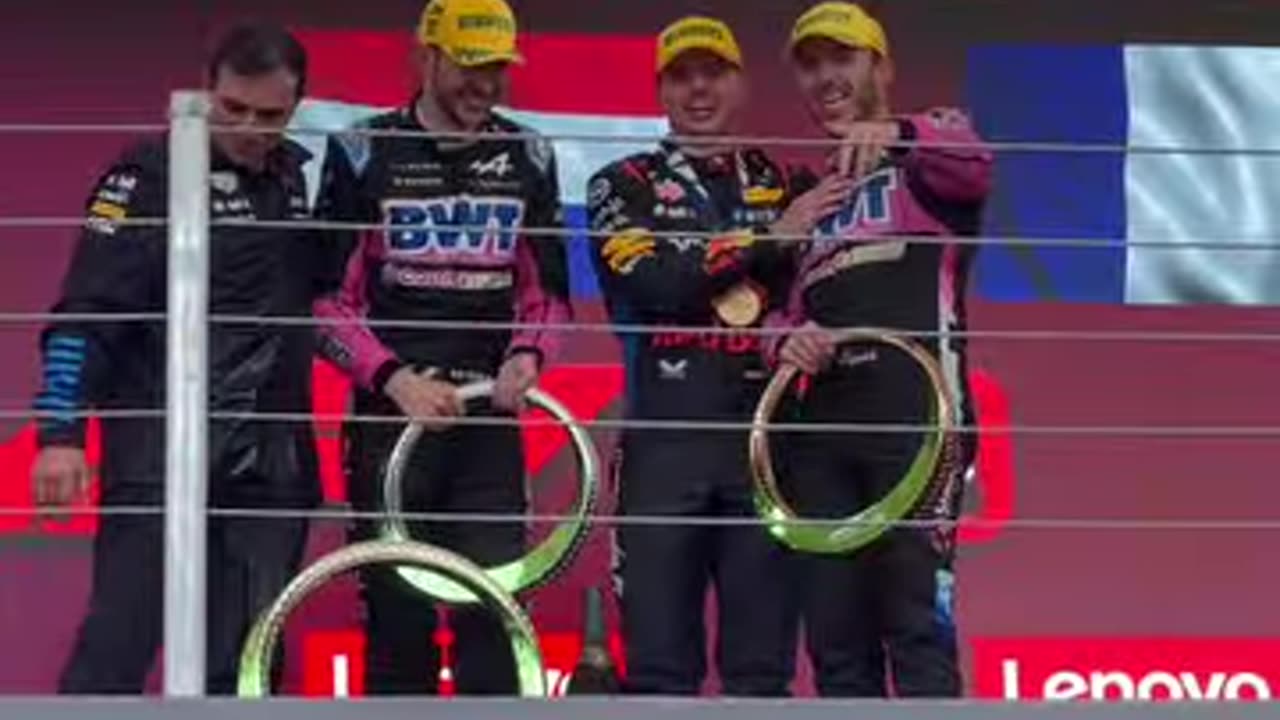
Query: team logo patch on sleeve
x,y
111,202
108,211
623,251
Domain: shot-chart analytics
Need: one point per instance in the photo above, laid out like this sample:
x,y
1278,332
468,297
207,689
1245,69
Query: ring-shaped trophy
x,y
257,654
535,568
850,533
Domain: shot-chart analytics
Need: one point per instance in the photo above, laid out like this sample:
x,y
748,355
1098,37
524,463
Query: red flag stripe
x,y
584,74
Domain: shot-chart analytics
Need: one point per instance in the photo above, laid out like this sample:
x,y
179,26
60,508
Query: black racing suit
x,y
120,365
457,251
663,573
892,600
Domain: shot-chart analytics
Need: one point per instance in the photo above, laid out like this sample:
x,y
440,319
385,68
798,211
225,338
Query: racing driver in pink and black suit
x,y
918,175
462,246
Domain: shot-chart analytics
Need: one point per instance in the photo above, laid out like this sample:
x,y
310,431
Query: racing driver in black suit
x,y
723,275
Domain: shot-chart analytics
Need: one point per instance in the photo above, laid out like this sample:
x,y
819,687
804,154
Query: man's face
x,y
840,84
466,94
259,103
702,94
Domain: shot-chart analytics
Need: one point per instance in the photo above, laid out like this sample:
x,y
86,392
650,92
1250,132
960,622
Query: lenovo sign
x,y
1115,669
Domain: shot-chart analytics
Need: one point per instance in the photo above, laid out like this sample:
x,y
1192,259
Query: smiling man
x,y
465,191
257,75
924,174
676,242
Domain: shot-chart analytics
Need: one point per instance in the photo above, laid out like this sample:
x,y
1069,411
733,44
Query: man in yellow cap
x,y
675,244
460,248
893,597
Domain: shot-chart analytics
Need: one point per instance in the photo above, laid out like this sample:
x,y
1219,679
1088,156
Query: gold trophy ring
x,y
852,532
541,564
256,657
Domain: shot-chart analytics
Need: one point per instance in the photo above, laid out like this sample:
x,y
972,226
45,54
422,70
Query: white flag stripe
x,y
1203,97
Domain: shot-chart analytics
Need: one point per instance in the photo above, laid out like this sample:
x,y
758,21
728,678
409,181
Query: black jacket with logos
x,y
118,267
462,244
718,276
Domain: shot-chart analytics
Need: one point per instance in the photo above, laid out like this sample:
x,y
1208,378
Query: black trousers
x,y
468,469
250,560
662,573
879,621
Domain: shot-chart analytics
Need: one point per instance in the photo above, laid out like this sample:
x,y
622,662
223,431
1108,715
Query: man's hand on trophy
x,y
809,348
517,375
433,403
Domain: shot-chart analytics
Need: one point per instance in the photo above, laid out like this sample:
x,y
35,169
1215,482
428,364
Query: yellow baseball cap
x,y
697,33
844,23
471,32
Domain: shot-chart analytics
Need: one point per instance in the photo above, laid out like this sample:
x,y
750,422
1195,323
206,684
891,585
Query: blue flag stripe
x,y
1028,93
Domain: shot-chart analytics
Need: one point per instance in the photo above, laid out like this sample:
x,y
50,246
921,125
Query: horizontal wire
x,y
1263,243
642,329
614,520
35,128
104,414
55,221
995,146
1233,243
1042,335
1141,431
13,318
1262,431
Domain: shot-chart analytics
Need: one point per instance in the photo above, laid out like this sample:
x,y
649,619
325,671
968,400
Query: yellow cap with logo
x,y
844,23
697,33
471,32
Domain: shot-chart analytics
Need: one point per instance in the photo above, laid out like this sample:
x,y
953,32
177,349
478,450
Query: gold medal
x,y
739,306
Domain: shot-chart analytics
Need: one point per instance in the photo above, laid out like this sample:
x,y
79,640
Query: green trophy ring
x,y
541,564
259,647
852,532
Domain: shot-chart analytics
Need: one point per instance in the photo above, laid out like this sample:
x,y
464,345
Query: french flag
x,y
1142,96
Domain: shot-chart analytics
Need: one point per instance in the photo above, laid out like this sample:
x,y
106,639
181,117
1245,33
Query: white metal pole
x,y
186,397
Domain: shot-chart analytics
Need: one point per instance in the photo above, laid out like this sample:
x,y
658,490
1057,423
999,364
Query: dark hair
x,y
253,49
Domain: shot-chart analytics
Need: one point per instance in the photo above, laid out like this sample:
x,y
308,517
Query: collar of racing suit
x,y
716,181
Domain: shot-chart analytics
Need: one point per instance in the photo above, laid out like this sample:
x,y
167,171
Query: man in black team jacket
x,y
257,76
460,248
721,275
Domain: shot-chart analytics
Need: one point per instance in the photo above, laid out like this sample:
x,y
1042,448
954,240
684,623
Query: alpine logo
x,y
485,226
498,166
